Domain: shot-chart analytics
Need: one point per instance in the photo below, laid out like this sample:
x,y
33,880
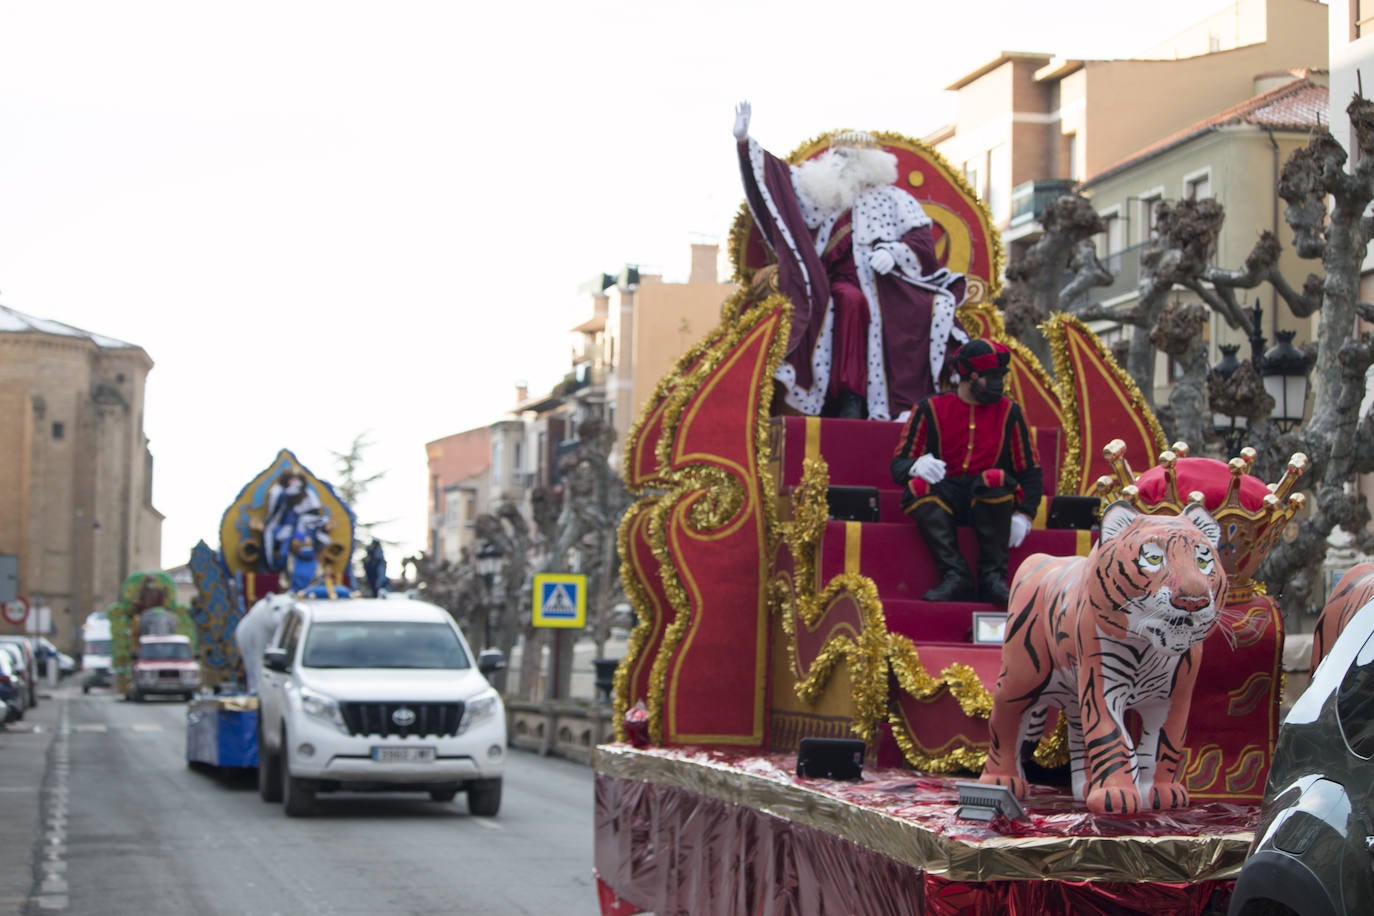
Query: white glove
x,y
742,121
1020,525
881,260
928,468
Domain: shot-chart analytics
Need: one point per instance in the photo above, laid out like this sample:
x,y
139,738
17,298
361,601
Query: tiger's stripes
x,y
1096,636
1351,593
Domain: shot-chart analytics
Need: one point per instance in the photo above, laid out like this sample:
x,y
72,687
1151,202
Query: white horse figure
x,y
255,631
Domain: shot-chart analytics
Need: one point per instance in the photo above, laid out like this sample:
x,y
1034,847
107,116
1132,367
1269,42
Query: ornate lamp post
x,y
1231,427
1284,370
489,557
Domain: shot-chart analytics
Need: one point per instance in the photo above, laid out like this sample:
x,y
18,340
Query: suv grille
x,y
380,718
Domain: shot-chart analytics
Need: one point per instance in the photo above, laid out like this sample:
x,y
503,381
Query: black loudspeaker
x,y
853,504
1073,512
830,758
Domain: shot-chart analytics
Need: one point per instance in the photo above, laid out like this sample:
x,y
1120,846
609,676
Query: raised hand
x,y
742,112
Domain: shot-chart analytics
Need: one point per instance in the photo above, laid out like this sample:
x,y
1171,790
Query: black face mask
x,y
987,389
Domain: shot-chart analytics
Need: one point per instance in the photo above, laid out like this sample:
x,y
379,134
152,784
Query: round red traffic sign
x,y
16,611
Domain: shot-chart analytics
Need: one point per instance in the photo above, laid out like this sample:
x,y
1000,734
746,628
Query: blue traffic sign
x,y
560,600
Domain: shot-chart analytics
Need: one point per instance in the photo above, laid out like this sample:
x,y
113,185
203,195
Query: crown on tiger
x,y
854,139
1251,513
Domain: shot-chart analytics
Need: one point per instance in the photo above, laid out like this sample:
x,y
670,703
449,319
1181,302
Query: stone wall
x,y
567,728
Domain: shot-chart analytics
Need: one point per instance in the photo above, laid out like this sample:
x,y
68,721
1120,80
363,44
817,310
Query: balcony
x,y
1030,198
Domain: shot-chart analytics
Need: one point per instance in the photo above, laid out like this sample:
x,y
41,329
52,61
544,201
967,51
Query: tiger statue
x,y
1351,593
1095,636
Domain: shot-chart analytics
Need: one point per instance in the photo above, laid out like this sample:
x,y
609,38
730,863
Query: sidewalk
x,y
28,807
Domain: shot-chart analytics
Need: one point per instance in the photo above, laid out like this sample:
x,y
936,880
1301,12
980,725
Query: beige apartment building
x,y
640,324
1234,156
1028,125
1203,114
76,510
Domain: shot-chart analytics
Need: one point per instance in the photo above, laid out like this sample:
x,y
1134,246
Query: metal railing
x,y
1030,198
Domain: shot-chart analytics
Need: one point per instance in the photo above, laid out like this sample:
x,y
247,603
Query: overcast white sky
x,y
322,219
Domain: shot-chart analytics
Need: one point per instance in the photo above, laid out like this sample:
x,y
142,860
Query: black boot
x,y
852,406
992,524
942,539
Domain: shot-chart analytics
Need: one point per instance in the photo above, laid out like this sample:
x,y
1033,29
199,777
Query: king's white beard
x,y
835,179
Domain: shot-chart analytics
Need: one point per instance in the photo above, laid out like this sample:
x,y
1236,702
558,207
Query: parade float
x,y
773,619
287,531
147,606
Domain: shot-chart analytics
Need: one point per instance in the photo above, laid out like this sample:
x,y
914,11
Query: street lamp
x,y
488,565
1231,427
1284,370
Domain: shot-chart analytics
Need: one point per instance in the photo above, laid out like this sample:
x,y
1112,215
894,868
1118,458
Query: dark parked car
x,y
30,666
19,666
11,687
1313,844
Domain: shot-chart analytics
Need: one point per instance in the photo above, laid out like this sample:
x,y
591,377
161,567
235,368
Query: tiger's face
x,y
1161,576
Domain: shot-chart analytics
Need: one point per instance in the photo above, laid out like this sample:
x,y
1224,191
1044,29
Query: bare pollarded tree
x,y
1338,440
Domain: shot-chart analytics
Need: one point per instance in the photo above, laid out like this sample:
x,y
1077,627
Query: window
x,y
383,644
1361,18
496,456
291,634
973,171
58,430
1070,149
1355,702
1197,186
1148,209
1114,239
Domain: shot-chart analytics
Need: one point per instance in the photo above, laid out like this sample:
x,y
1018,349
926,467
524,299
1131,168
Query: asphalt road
x,y
99,814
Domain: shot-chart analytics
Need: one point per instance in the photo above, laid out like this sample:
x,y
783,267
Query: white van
x,y
96,653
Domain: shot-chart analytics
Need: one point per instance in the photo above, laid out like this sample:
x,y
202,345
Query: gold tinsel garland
x,y
714,493
974,700
800,604
1053,749
640,600
1054,332
959,679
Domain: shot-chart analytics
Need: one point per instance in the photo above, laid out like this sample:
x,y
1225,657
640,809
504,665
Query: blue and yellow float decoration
x,y
287,530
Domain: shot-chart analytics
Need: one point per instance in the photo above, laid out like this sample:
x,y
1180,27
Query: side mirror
x,y
491,661
276,660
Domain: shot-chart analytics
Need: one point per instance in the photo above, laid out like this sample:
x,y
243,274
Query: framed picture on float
x,y
989,627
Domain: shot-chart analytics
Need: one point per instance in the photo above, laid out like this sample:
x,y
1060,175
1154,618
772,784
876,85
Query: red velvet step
x,y
925,622
858,453
895,557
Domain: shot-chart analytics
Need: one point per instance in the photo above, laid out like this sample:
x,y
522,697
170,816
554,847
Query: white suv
x,y
367,694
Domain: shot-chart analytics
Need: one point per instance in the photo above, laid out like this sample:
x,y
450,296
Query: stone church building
x,y
76,511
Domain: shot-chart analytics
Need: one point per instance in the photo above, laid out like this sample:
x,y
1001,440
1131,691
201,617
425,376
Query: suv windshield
x,y
161,650
383,644
98,647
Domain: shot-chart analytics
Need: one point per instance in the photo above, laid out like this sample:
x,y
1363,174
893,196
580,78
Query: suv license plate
x,y
403,754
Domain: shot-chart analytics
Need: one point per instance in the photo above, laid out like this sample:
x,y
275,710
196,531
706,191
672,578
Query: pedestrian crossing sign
x,y
560,600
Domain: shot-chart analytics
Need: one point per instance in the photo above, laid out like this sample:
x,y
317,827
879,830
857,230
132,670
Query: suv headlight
x,y
479,709
321,707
